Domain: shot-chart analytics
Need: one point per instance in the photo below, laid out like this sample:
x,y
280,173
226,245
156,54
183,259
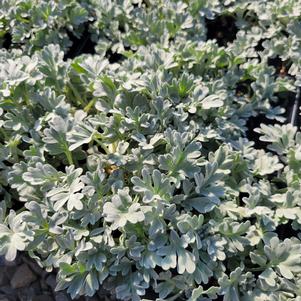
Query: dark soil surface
x,y
24,280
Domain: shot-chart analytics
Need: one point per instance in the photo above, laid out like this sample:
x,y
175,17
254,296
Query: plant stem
x,y
2,131
76,94
101,145
69,156
259,269
26,98
20,210
90,105
293,119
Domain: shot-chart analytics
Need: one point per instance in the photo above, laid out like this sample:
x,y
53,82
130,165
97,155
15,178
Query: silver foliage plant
x,y
138,175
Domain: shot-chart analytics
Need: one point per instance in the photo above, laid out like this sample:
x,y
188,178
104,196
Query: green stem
x,y
259,269
20,210
76,94
56,83
2,131
90,105
175,296
114,145
69,156
19,152
26,97
174,168
101,145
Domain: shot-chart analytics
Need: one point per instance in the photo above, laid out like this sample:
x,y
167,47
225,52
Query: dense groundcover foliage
x,y
164,162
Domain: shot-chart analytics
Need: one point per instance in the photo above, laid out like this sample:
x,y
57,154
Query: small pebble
x,y
93,298
8,292
25,293
3,277
22,277
61,297
36,287
51,281
2,261
10,271
42,298
35,267
102,292
44,285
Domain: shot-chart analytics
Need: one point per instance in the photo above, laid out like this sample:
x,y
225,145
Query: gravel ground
x,y
24,280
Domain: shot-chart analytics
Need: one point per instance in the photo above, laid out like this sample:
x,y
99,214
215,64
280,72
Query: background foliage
x,y
127,153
